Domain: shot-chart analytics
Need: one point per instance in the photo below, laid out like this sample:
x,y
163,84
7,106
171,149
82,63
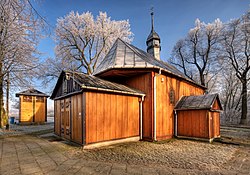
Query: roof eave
x,y
114,91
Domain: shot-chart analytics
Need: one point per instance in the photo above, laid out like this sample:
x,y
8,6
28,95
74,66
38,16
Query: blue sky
x,y
173,18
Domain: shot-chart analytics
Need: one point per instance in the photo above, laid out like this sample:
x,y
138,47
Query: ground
x,y
35,152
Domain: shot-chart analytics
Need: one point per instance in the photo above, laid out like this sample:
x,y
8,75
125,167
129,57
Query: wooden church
x,y
132,94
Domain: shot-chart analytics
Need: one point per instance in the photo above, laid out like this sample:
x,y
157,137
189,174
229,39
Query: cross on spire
x,y
152,18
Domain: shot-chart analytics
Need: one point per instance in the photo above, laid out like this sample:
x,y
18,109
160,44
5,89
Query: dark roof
x,y
197,102
95,83
32,92
124,55
153,35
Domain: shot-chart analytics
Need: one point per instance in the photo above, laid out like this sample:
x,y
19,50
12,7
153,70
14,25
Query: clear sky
x,y
173,18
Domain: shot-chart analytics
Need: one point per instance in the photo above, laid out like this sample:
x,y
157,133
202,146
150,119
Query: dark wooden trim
x,y
34,108
46,109
70,118
55,110
67,95
20,109
84,118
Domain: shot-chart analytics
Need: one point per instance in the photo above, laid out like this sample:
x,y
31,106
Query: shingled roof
x,y
94,83
197,102
124,55
32,92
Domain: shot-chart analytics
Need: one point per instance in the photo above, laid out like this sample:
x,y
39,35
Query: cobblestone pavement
x,y
47,154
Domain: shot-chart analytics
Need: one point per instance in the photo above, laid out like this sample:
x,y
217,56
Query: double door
x,y
65,118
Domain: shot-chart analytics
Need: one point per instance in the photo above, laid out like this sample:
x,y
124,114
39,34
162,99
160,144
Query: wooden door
x,y
76,104
57,117
62,117
65,118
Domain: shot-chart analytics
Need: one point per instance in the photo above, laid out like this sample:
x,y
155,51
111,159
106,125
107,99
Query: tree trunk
x,y
7,95
202,79
243,119
1,103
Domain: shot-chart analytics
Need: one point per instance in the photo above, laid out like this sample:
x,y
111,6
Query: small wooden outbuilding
x,y
32,106
198,116
90,110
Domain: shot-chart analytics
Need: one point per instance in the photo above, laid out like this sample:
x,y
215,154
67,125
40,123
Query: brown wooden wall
x,y
144,82
68,118
214,124
193,123
40,111
216,105
26,110
57,117
166,102
111,116
77,109
165,115
33,111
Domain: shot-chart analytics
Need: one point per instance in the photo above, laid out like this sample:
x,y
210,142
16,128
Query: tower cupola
x,y
153,41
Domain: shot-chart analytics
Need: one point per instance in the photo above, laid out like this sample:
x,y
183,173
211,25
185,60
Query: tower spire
x,y
152,18
153,40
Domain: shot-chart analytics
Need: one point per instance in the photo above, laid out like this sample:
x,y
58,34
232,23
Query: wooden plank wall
x,y
215,124
111,116
77,114
193,123
26,108
144,82
165,109
57,117
33,111
40,110
216,105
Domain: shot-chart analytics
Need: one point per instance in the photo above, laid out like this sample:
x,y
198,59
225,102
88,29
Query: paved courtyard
x,y
46,154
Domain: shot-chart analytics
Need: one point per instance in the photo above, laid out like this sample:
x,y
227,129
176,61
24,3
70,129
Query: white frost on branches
x,y
196,53
84,41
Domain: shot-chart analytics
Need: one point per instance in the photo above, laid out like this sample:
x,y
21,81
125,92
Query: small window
x,y
27,98
40,99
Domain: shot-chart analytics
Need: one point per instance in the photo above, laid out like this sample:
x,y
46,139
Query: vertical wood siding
x,y
165,106
57,117
193,123
111,116
216,105
144,83
214,130
40,110
26,108
32,111
76,107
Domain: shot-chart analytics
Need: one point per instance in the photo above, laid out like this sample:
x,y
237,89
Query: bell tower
x,y
153,41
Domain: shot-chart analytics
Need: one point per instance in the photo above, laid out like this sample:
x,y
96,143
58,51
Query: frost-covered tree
x,y
196,53
19,32
229,88
83,40
235,48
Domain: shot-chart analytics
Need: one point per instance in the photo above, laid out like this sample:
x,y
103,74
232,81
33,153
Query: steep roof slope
x,y
197,102
32,92
124,55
